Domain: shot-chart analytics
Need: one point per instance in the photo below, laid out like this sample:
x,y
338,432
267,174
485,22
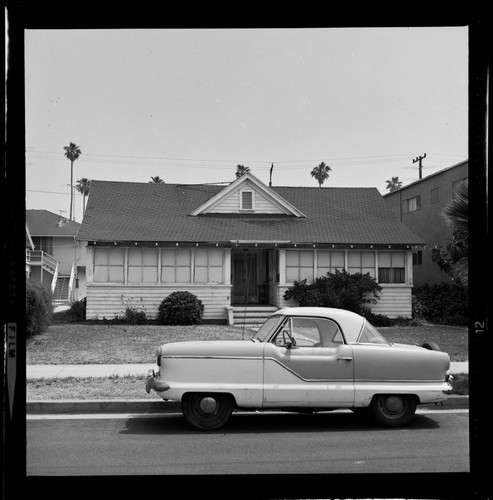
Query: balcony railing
x,y
71,283
40,258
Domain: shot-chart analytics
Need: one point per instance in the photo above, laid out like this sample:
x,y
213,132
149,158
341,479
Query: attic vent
x,y
246,200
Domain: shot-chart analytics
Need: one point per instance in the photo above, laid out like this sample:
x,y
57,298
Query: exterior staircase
x,y
62,289
249,316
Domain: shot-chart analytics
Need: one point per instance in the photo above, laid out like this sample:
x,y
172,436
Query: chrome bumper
x,y
152,382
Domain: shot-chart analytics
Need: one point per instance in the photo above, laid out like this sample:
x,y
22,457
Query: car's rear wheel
x,y
207,411
393,410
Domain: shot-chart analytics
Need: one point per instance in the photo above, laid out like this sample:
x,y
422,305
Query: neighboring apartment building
x,y
53,255
419,206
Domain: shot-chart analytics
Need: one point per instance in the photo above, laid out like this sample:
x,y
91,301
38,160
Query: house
x,y
419,206
54,257
241,245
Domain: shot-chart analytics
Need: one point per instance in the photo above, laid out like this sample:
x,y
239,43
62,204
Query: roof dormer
x,y
247,195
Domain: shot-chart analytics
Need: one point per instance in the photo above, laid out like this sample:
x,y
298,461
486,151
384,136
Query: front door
x,y
245,277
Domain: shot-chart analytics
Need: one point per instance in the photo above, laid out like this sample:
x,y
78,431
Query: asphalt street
x,y
252,443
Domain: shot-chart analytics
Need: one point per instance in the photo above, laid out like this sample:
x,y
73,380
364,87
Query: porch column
x,y
282,266
89,264
227,266
409,268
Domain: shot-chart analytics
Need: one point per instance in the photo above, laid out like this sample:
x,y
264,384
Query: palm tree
x,y
321,173
156,180
72,152
394,184
241,170
455,260
83,185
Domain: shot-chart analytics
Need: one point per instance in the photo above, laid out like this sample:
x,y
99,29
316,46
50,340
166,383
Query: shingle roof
x,y
45,223
125,211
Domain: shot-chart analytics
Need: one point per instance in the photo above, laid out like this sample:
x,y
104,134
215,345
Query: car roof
x,y
350,322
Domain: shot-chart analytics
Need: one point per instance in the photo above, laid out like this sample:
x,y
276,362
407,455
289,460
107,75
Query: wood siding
x,y
261,204
395,300
110,300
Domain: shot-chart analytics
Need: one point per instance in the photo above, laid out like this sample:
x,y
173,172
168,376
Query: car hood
x,y
212,348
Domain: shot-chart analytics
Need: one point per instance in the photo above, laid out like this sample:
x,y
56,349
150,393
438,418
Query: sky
x,y
189,105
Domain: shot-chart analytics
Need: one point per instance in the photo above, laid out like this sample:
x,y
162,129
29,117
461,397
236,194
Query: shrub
x,y
39,308
378,320
135,317
180,308
340,289
78,310
441,303
134,314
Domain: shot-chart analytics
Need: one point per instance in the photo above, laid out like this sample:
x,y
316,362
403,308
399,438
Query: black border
x,y
148,15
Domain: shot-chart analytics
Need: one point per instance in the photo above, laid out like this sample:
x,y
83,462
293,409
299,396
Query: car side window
x,y
310,332
330,333
306,332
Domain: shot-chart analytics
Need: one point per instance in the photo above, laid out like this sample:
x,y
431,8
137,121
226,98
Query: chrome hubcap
x,y
208,405
394,405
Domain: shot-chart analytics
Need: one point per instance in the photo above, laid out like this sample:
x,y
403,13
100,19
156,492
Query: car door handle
x,y
346,358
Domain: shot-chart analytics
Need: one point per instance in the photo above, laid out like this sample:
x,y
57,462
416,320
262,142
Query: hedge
x,y
39,308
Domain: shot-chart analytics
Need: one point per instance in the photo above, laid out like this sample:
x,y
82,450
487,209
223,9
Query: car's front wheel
x,y
206,411
393,410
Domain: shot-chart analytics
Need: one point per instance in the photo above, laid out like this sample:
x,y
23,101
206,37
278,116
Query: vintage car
x,y
302,359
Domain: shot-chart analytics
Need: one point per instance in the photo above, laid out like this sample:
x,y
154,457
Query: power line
x,y
287,165
49,192
114,158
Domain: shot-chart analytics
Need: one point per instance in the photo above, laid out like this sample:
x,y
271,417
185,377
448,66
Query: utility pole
x,y
270,179
420,159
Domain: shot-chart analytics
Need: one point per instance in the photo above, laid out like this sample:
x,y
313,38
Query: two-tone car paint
x,y
351,364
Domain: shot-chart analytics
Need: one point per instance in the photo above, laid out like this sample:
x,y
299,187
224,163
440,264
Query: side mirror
x,y
291,343
288,340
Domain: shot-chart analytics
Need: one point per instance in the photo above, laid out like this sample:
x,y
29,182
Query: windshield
x,y
370,335
267,328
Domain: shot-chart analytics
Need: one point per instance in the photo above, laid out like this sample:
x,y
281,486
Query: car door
x,y
314,370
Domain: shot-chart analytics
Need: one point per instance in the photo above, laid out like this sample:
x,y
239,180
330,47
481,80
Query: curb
x,y
73,406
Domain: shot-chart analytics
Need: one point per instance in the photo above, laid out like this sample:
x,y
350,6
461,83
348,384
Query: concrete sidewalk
x,y
122,370
87,370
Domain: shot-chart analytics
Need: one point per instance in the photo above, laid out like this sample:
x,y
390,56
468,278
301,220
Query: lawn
x,y
109,344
